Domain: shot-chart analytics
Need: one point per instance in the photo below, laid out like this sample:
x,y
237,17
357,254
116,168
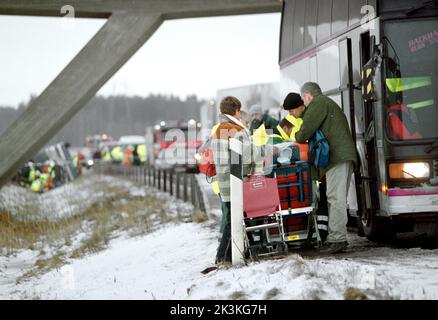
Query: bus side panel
x,y
324,68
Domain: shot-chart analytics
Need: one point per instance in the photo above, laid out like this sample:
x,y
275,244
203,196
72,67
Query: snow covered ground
x,y
166,264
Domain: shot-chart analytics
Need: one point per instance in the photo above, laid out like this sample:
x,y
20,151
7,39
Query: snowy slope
x,y
166,264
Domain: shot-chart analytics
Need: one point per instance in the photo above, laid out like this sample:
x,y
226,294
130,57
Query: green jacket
x,y
276,136
325,114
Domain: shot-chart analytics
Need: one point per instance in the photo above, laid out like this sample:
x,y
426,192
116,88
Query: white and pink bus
x,y
379,61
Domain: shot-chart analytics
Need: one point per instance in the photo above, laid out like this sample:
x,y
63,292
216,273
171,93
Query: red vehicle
x,y
175,133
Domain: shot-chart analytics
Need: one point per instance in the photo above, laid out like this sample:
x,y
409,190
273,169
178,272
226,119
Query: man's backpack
x,y
319,150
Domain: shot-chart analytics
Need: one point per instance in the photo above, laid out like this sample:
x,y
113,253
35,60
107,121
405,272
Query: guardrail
x,y
182,185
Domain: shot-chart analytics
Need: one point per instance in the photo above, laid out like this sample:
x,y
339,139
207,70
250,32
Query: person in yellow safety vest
x,y
295,106
55,180
32,172
106,155
36,185
142,153
282,132
51,170
260,122
117,154
75,162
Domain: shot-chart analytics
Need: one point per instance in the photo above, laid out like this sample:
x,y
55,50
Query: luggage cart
x,y
261,222
294,184
278,211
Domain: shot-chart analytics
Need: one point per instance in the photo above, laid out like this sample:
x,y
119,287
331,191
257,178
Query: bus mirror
x,y
368,75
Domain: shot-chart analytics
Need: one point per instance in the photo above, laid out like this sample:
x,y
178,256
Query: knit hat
x,y
255,109
293,100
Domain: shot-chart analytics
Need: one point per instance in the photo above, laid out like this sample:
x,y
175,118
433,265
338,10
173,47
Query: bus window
x,y
411,82
324,20
354,14
310,23
286,30
298,34
339,15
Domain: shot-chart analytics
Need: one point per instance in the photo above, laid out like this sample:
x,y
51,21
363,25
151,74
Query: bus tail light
x,y
409,170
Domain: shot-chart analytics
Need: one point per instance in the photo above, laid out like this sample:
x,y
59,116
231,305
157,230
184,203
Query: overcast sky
x,y
191,56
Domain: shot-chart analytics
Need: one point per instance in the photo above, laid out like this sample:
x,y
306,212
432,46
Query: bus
x,y
378,60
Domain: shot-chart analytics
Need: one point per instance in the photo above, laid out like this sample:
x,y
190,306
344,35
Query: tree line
x,y
115,115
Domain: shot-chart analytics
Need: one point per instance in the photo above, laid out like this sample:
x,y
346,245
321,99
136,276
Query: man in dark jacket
x,y
258,117
323,113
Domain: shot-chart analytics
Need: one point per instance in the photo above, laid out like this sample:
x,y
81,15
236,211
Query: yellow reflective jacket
x,y
260,136
36,186
142,154
117,153
296,122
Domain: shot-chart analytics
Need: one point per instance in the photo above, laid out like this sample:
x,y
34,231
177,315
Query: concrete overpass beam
x,y
113,45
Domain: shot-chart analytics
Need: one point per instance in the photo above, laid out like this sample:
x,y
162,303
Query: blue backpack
x,y
319,150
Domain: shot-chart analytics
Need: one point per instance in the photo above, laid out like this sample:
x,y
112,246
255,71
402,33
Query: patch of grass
x,y
271,294
199,216
354,294
238,295
44,265
118,211
315,295
311,274
67,241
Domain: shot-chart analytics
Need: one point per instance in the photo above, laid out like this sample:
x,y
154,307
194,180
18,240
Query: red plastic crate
x,y
292,200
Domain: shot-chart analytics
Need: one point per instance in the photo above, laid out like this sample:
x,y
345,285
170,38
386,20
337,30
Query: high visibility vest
x,y
215,185
32,174
106,156
395,85
297,123
52,171
213,130
36,186
117,153
260,136
75,161
141,151
275,138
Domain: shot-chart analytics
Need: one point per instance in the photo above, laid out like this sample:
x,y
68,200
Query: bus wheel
x,y
376,228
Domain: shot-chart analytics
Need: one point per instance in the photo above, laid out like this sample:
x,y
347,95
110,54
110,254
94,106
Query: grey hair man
x,y
323,113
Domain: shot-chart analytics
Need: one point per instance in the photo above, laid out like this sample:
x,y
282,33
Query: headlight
x,y
90,163
410,170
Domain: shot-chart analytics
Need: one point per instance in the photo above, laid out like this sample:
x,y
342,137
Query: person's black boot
x,y
334,247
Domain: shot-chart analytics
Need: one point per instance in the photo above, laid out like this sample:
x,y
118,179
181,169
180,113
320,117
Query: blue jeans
x,y
224,249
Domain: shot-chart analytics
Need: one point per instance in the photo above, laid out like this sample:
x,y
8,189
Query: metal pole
x,y
185,187
159,179
154,177
178,193
192,191
171,182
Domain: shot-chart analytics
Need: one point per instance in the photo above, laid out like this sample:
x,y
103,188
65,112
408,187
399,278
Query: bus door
x,y
347,96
